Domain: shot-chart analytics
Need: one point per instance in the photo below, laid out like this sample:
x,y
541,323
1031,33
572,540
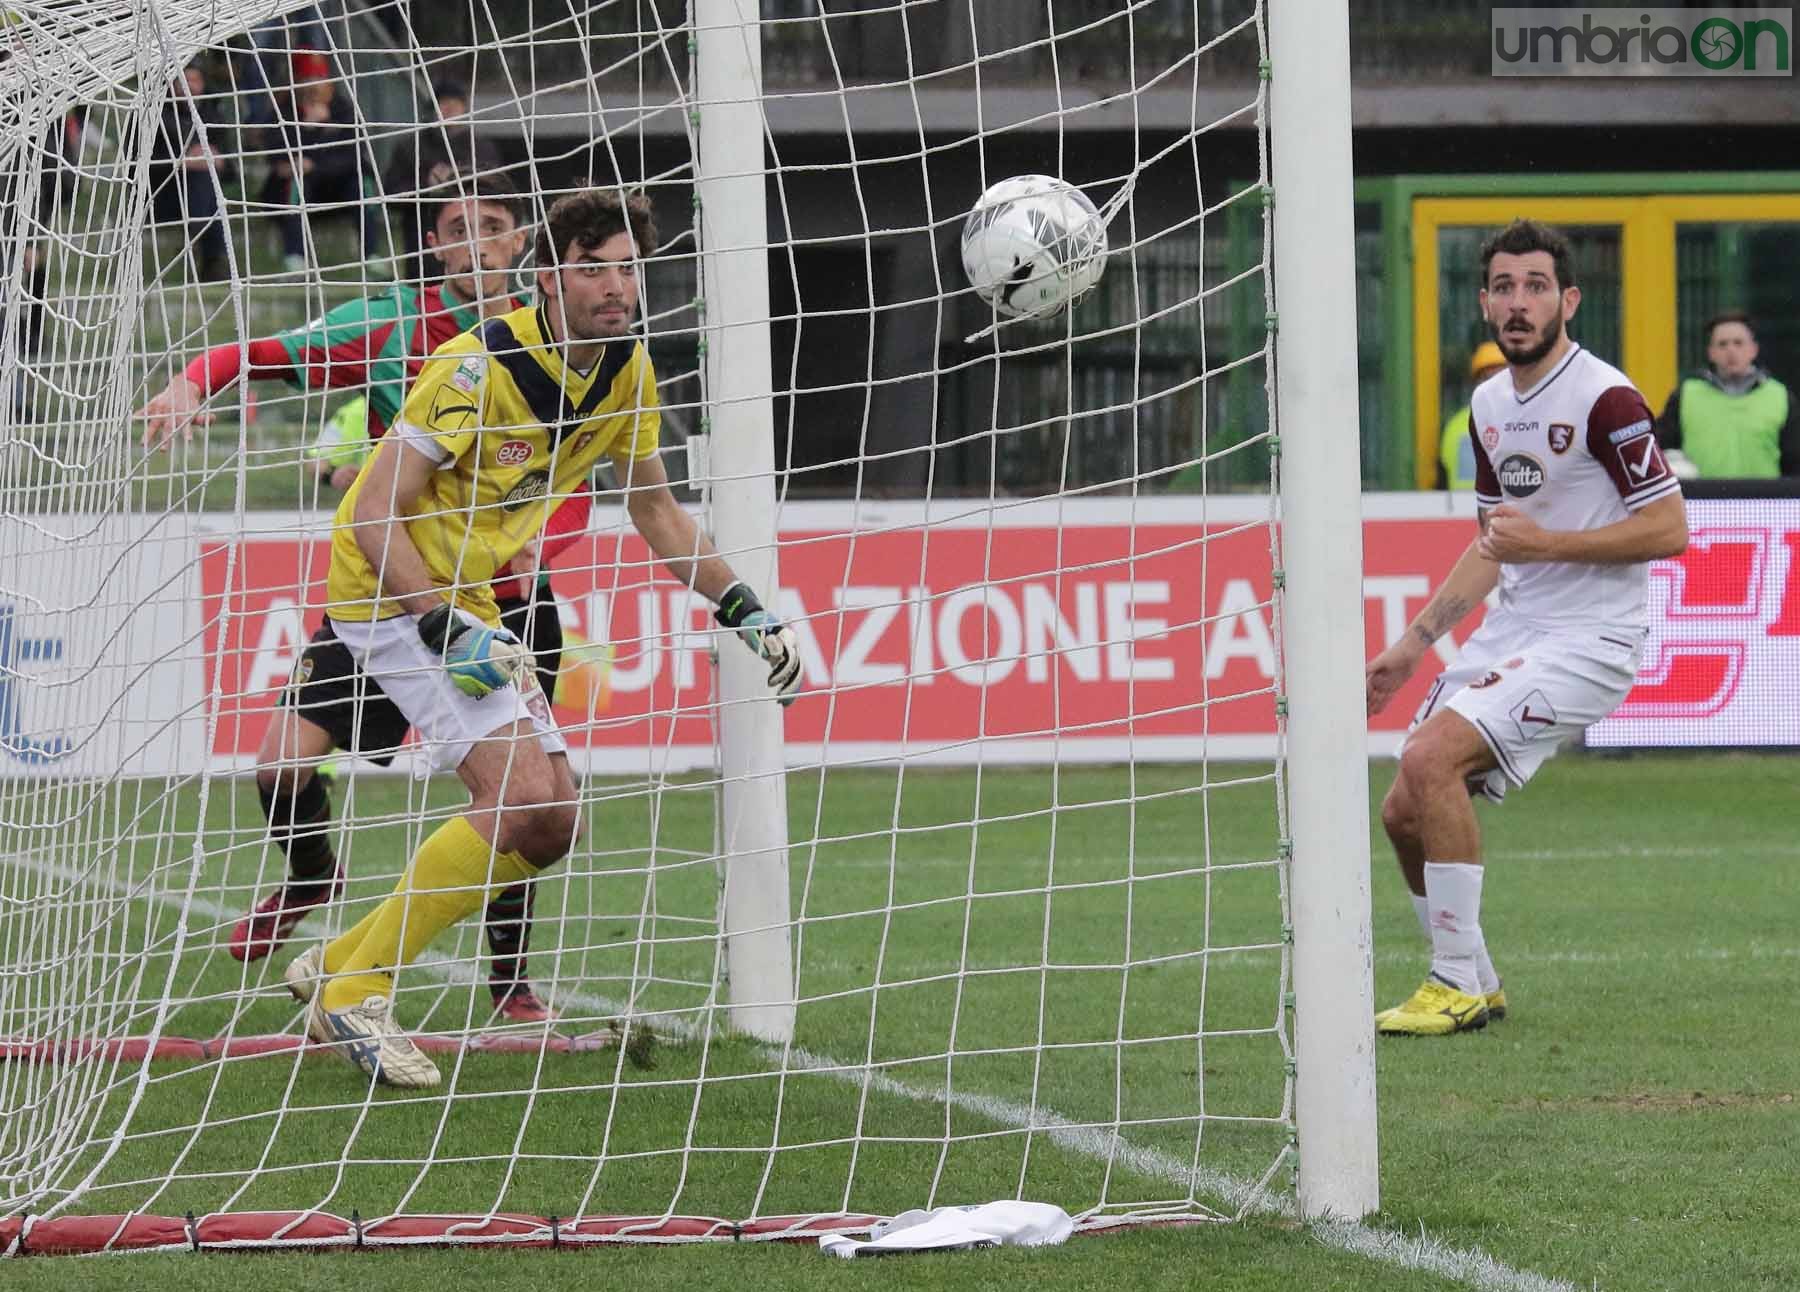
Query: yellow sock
x,y
339,948
448,880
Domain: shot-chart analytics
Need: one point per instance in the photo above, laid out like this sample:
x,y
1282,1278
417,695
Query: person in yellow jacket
x,y
1733,421
1456,451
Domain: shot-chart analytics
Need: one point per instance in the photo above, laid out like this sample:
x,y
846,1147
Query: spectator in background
x,y
1456,450
187,162
1733,421
321,162
444,146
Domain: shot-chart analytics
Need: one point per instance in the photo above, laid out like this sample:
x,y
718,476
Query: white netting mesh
x,y
1037,925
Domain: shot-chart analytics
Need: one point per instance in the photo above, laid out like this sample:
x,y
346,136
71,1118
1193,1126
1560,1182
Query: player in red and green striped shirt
x,y
377,344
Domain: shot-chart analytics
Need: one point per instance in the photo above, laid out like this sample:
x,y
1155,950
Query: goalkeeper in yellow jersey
x,y
503,423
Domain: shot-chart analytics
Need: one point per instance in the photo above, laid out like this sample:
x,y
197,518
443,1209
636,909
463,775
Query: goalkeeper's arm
x,y
393,481
479,659
689,555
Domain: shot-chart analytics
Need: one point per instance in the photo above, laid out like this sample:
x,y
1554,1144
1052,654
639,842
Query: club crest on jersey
x,y
1521,475
514,453
1490,437
527,491
581,442
1562,435
1479,683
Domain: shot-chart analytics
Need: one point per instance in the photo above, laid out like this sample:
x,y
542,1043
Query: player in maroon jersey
x,y
1573,499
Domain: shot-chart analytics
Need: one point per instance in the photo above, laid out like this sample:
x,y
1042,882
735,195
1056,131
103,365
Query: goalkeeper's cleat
x,y
273,920
305,972
516,1002
1435,1009
367,1037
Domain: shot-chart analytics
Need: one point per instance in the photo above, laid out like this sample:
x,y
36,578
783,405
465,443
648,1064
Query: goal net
x,y
998,909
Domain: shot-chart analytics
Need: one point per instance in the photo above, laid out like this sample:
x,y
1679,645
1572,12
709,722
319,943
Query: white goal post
x,y
1322,611
1052,884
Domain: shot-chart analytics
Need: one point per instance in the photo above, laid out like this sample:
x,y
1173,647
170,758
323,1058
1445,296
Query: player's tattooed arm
x,y
1438,618
1466,586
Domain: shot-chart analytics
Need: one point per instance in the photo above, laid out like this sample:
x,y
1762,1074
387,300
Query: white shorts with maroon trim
x,y
1526,690
447,723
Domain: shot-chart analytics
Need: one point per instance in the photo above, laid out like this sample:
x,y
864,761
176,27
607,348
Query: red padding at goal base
x,y
265,1228
86,1235
514,1231
248,1047
125,1049
76,1235
181,1049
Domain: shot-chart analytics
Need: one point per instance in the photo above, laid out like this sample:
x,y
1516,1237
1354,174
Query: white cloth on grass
x,y
957,1229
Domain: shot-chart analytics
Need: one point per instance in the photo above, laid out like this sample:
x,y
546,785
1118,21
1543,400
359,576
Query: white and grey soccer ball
x,y
1032,246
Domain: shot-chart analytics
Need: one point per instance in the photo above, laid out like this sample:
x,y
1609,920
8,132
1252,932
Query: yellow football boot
x,y
1496,1003
1435,1009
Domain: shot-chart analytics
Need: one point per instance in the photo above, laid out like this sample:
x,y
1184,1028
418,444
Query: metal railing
x,y
1107,42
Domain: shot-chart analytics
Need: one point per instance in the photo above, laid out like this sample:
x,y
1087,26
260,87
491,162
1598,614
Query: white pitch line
x,y
1466,1265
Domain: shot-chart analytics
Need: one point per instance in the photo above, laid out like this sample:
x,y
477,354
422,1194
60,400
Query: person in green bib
x,y
1733,421
1456,448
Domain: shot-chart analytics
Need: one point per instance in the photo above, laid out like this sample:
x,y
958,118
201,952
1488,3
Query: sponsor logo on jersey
x,y
451,410
1517,661
468,374
529,490
1489,680
1490,437
1562,435
514,453
1521,475
1641,460
1624,433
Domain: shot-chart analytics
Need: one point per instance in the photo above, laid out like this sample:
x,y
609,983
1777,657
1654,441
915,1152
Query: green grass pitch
x,y
1632,1124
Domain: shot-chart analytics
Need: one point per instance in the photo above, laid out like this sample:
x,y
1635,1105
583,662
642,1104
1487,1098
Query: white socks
x,y
1485,974
1450,912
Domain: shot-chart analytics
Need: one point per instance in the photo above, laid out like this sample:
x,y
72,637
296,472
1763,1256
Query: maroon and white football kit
x,y
1559,652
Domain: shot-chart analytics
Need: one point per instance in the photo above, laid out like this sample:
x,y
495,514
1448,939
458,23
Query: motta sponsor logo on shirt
x,y
532,487
1521,475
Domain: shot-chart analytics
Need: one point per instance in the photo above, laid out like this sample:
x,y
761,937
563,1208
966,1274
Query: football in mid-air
x,y
1032,246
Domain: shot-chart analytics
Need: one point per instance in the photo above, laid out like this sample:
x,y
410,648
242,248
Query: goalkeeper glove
x,y
773,641
480,659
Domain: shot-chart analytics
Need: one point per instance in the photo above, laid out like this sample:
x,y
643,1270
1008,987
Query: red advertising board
x,y
1100,637
1722,666
1105,638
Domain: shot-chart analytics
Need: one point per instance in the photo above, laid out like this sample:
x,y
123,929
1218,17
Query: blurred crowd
x,y
272,124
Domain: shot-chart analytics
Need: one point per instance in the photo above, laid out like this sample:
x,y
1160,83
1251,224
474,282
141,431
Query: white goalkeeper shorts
x,y
446,722
1526,690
